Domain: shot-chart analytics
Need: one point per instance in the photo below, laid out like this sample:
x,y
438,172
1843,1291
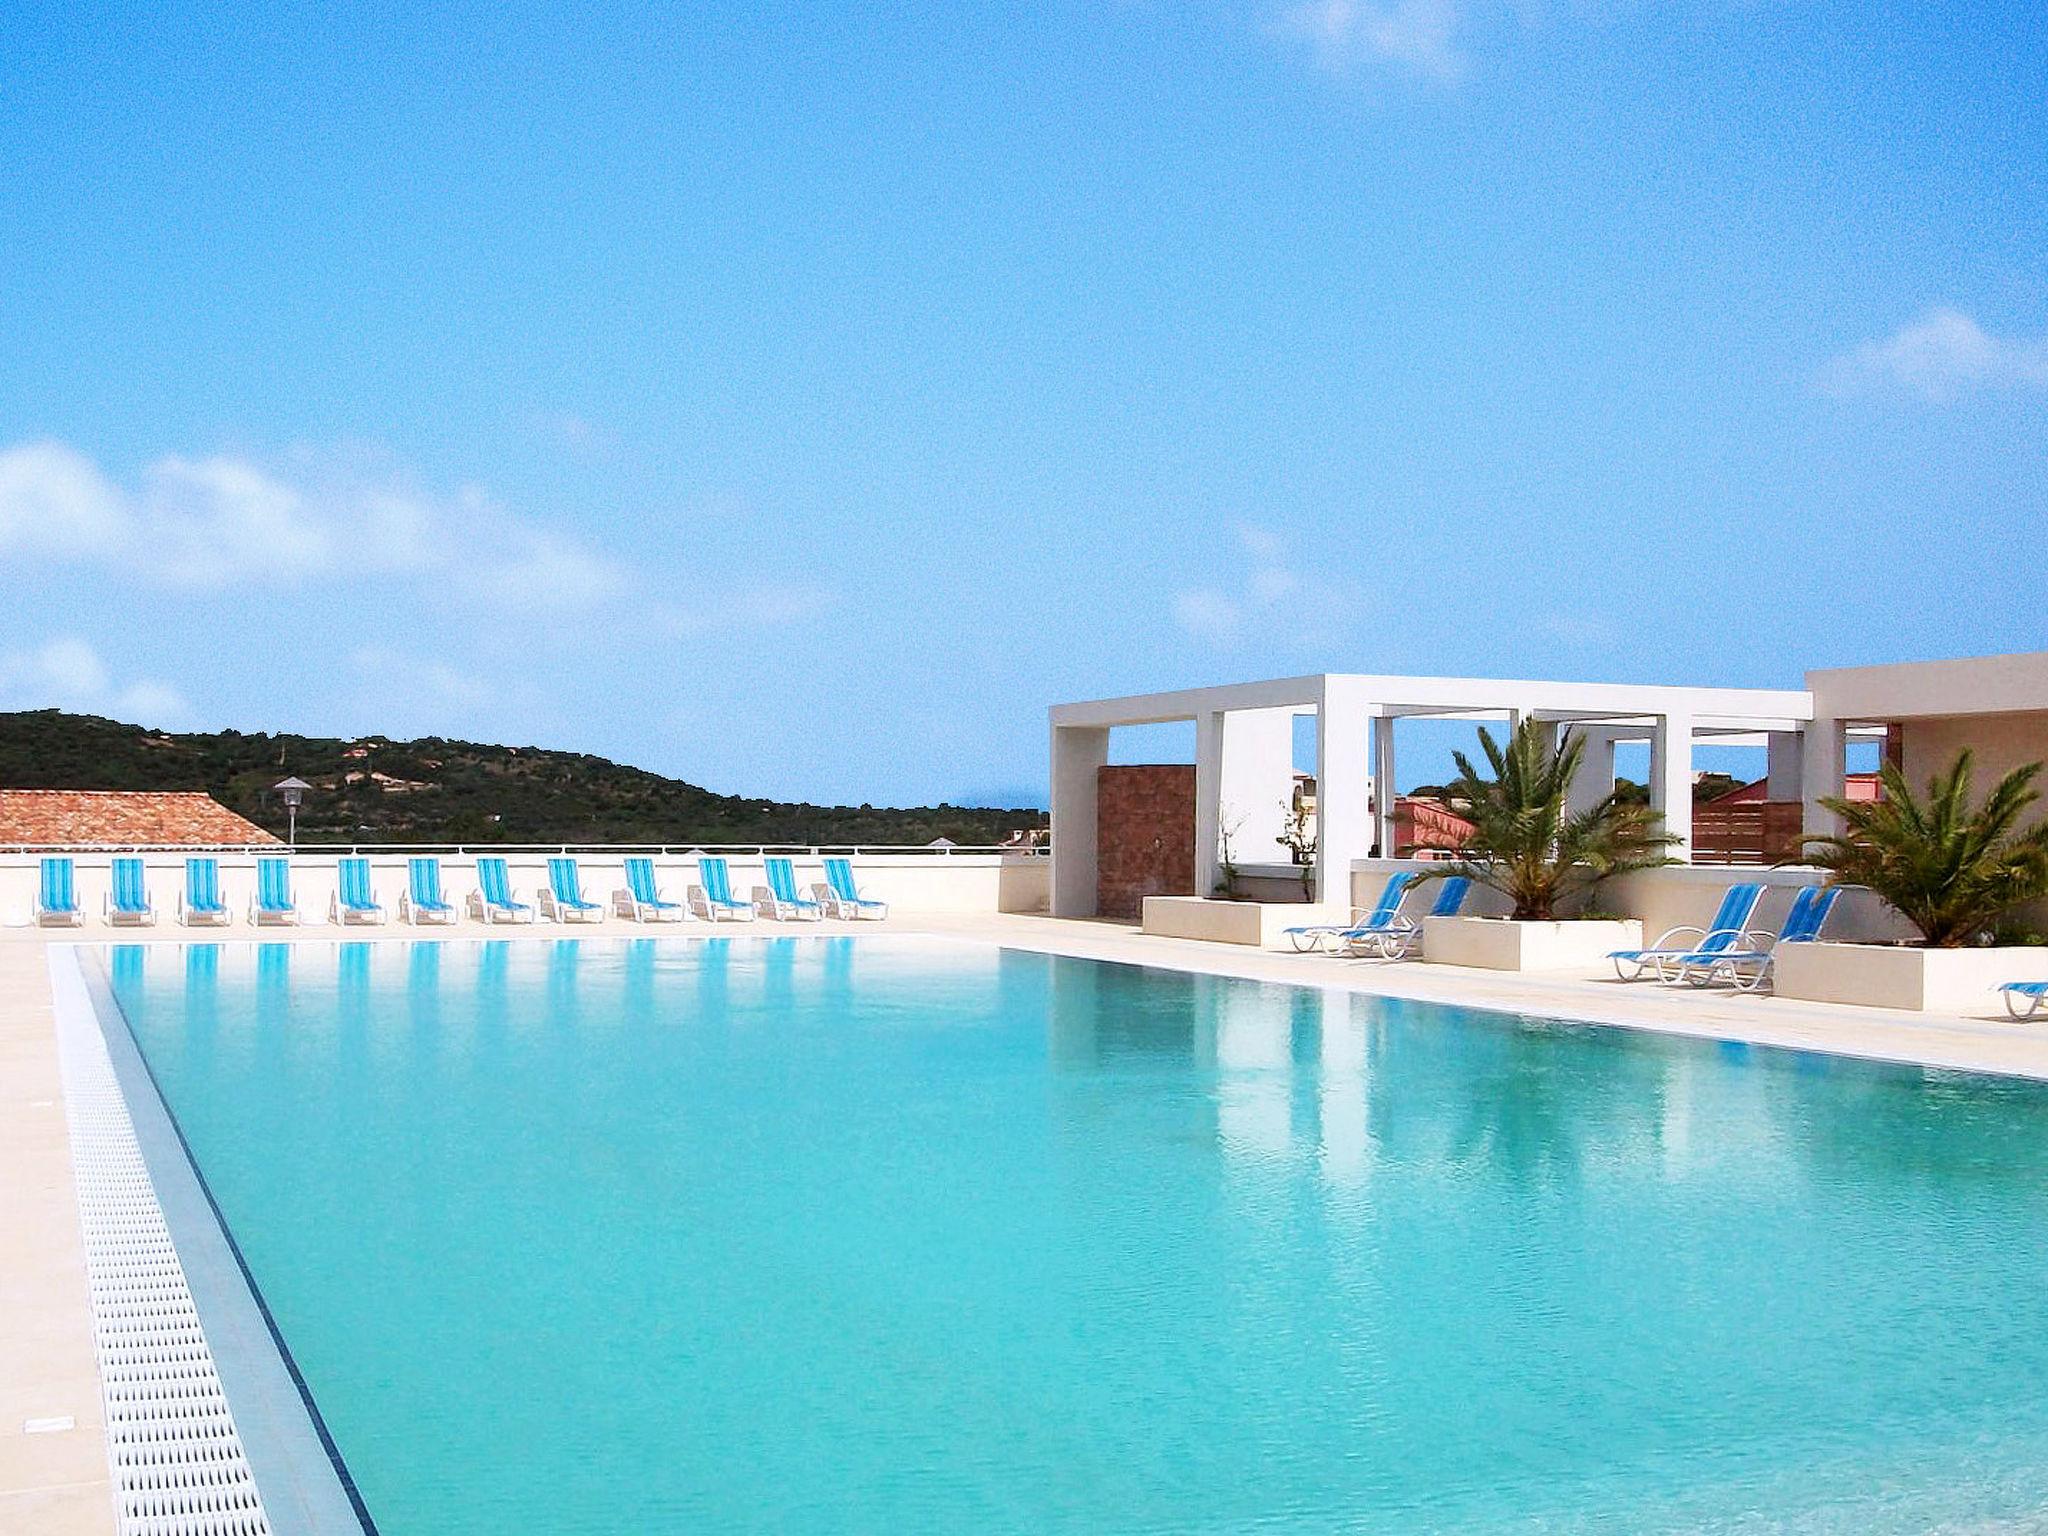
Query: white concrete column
x,y
1671,780
1344,826
1384,795
1077,753
1256,781
1823,761
1594,781
1209,801
1782,777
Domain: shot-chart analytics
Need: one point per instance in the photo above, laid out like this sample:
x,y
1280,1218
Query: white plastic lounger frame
x,y
421,901
355,899
1748,966
56,904
712,899
1402,935
271,904
2034,994
640,898
779,899
491,901
1727,931
561,899
127,900
1364,925
199,903
844,899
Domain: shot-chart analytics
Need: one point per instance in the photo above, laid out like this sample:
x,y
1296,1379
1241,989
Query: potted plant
x,y
1298,838
1544,858
1952,868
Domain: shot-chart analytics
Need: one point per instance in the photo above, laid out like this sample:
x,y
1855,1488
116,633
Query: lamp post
x,y
294,791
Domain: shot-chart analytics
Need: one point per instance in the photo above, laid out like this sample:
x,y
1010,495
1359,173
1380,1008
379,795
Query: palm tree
x,y
1525,844
1949,870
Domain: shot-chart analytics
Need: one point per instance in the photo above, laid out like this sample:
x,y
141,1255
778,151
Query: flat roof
x,y
1378,694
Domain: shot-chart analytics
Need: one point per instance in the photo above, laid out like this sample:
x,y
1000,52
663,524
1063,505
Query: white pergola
x,y
1244,755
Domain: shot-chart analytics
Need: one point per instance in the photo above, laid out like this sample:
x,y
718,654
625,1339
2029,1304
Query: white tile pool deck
x,y
56,1479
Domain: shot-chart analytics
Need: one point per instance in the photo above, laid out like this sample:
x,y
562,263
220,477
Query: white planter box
x,y
1922,980
1234,922
1503,944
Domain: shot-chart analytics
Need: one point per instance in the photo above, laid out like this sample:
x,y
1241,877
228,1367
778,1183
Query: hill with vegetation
x,y
373,790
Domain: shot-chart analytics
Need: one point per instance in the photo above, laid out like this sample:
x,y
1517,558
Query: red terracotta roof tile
x,y
121,818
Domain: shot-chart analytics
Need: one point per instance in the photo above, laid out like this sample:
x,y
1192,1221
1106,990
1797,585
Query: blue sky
x,y
798,399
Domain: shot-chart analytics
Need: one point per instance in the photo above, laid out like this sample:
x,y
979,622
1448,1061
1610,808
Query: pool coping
x,y
301,1483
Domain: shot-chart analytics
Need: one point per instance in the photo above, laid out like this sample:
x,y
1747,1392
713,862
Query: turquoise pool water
x,y
899,1235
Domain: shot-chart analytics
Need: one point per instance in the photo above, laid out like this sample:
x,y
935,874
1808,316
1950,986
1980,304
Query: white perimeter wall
x,y
960,882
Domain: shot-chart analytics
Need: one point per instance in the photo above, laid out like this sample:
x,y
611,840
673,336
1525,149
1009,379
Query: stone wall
x,y
1145,835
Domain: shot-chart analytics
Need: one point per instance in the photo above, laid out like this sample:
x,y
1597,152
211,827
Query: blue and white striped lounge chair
x,y
272,905
779,899
421,901
199,903
711,897
2024,999
640,897
1728,930
561,899
128,896
1364,923
1747,967
1403,936
840,897
491,901
355,897
56,903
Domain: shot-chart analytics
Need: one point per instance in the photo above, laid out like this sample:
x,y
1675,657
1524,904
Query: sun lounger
x,y
355,898
840,897
779,899
640,897
199,903
128,896
56,904
561,899
1748,966
1363,923
711,897
2024,999
272,905
1402,936
1727,931
491,901
421,901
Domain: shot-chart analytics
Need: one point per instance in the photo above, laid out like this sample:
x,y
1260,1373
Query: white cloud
x,y
222,522
1419,37
1268,595
771,606
533,569
67,673
54,501
1937,357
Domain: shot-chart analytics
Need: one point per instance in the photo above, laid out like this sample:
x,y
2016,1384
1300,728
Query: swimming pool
x,y
893,1234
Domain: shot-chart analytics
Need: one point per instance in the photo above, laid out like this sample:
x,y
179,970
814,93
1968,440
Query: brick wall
x,y
1145,835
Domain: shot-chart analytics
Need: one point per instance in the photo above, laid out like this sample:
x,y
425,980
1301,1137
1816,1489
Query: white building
x,y
1244,746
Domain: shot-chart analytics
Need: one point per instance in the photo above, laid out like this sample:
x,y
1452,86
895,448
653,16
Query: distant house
x,y
1424,829
122,818
1855,787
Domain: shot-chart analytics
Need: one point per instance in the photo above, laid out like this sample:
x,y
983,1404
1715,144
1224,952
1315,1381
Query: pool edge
x,y
301,1485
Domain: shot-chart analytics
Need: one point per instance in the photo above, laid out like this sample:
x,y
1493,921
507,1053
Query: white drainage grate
x,y
177,1461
